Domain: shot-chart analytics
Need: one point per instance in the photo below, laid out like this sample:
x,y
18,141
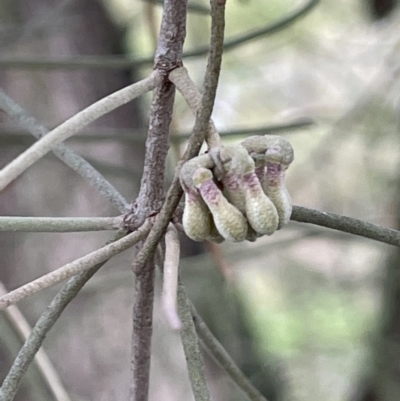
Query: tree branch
x,y
59,224
168,56
346,224
70,269
73,125
20,116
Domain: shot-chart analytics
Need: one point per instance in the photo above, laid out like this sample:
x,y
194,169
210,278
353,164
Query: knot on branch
x,y
136,217
237,193
165,66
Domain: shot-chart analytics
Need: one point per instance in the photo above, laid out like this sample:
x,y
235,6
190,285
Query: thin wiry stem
x,y
59,224
70,269
115,62
77,163
180,77
222,357
170,277
346,224
191,347
74,124
44,365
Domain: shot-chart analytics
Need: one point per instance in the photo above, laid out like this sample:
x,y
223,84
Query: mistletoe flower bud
x,y
275,188
230,223
197,219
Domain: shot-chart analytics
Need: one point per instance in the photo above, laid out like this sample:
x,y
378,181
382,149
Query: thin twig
x,y
74,124
191,347
346,224
70,269
115,62
170,277
77,163
44,365
222,357
180,77
59,224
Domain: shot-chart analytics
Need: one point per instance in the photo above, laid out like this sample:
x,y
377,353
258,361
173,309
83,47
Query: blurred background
x,y
309,313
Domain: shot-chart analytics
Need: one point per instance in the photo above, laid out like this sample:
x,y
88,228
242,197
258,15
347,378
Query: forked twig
x,y
346,225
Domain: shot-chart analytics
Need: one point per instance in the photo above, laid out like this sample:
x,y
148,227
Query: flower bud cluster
x,y
238,192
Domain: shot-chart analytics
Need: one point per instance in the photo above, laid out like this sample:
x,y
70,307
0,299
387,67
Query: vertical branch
x,y
168,56
143,265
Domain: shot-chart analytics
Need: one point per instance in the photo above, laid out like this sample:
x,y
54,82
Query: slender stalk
x,y
59,224
73,125
346,224
180,77
170,280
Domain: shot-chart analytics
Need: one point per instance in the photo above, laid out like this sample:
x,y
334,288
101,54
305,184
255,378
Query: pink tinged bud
x,y
228,220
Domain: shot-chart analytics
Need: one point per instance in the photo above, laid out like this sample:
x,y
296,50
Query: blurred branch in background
x,y
116,62
19,138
